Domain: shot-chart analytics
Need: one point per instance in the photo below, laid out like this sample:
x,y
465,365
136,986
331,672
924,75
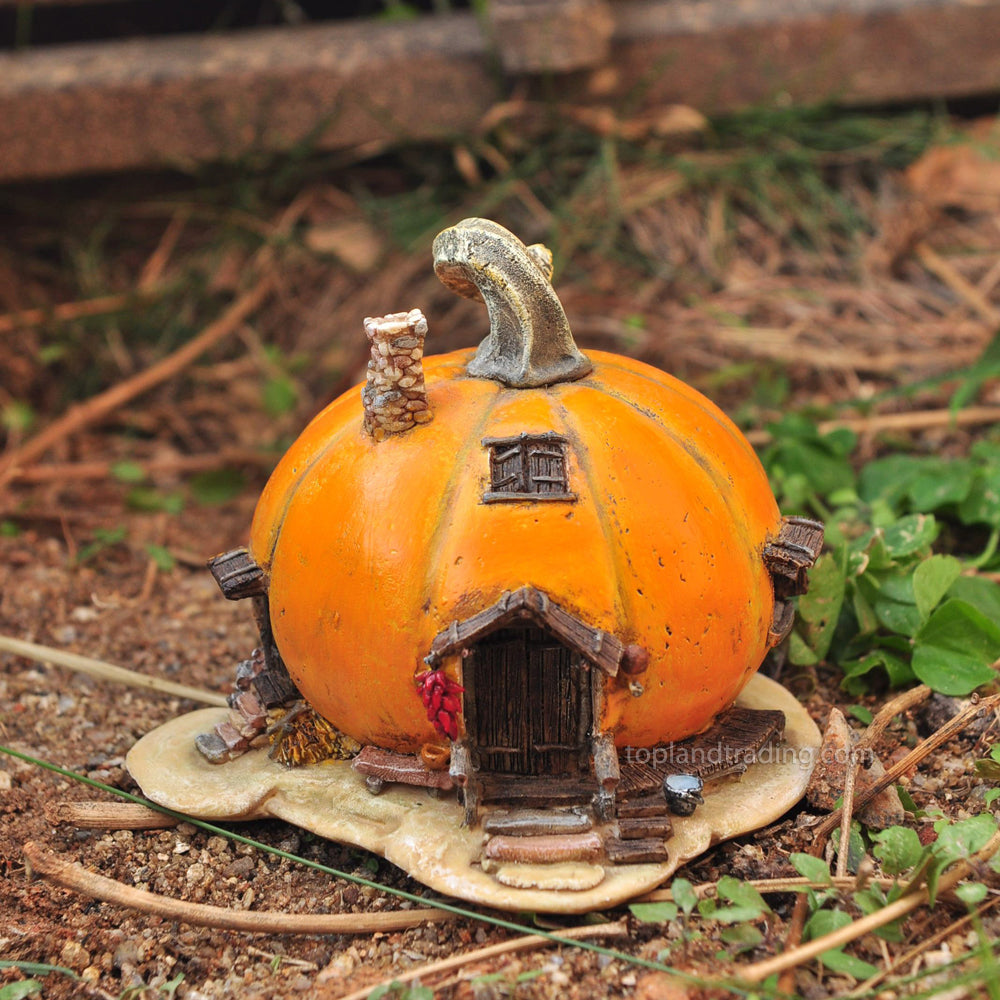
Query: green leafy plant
x,y
169,988
151,500
401,991
899,851
737,905
901,856
217,486
684,902
21,989
736,902
102,539
165,562
884,599
824,922
17,417
989,768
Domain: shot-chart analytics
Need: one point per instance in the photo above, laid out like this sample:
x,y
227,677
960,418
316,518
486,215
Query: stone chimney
x,y
395,397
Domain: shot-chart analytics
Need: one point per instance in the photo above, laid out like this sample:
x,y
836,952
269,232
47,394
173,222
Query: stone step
x,y
529,822
635,852
640,827
572,876
544,849
647,805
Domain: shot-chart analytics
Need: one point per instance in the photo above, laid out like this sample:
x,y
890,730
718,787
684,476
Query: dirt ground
x,y
754,314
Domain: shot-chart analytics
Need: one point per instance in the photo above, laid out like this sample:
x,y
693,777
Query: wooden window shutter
x,y
528,467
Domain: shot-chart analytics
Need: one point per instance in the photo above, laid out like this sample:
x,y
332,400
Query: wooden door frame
x,y
602,650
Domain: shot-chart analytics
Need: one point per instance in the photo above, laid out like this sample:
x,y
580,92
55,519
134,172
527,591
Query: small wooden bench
x,y
381,766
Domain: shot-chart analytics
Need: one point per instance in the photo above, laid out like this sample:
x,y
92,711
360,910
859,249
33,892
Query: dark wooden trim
x,y
781,623
527,497
537,790
605,755
492,442
641,827
789,557
598,647
237,575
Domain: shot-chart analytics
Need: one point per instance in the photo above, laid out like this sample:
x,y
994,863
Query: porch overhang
x,y
598,647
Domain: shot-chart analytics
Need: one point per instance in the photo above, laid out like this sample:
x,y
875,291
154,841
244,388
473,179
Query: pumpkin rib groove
x,y
653,609
723,487
613,362
292,490
459,471
624,610
445,367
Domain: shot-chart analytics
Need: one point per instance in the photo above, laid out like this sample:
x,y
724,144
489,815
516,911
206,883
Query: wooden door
x,y
530,704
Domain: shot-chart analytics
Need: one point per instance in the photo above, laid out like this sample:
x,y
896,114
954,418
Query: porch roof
x,y
599,647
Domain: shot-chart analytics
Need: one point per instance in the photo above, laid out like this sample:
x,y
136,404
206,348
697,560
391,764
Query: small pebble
x,y
74,955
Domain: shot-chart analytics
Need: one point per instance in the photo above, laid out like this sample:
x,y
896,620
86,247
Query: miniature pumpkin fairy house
x,y
521,573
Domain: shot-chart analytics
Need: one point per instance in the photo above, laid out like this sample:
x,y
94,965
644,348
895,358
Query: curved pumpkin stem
x,y
530,343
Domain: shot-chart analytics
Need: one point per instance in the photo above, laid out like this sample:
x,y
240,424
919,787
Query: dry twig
x,y
877,726
917,420
963,288
759,971
66,471
107,816
527,943
153,269
81,309
897,963
106,671
950,729
847,812
902,702
70,875
99,406
793,883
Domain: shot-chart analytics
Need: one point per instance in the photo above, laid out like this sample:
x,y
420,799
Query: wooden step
x,y
544,849
529,822
640,827
635,852
532,789
647,805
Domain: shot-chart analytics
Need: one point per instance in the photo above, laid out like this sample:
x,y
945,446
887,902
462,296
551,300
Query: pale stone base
x,y
424,835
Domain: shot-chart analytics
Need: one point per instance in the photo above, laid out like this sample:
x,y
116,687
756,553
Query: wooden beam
x,y
720,55
176,101
55,3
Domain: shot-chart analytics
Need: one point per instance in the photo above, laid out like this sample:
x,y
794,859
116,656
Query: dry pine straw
x,y
928,309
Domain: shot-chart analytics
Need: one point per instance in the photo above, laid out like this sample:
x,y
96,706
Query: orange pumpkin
x,y
641,514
